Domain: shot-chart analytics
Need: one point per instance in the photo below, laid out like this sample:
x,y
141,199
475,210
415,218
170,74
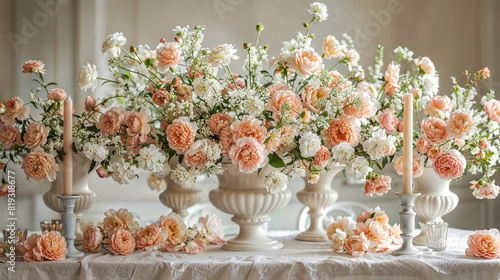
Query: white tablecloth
x,y
298,260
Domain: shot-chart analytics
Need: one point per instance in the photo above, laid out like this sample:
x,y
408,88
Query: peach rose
x,y
169,55
359,105
218,121
342,129
196,155
138,124
248,127
401,126
484,243
423,146
311,95
491,107
240,82
57,94
460,124
248,155
391,89
122,243
30,250
117,220
433,152
438,104
175,228
483,73
425,64
335,82
226,140
15,109
305,62
91,104
92,239
281,97
341,223
417,169
378,185
185,93
416,92
160,97
277,87
36,135
377,233
388,121
356,245
321,158
52,246
111,121
151,238
39,166
449,165
180,134
8,135
434,130
331,47
32,66
392,74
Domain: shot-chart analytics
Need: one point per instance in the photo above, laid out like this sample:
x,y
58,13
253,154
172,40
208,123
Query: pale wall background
x,y
65,34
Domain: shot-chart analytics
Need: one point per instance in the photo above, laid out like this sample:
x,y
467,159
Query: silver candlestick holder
x,y
407,223
68,219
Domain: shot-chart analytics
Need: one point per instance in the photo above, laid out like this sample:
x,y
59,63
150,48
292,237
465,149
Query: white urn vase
x,y
81,165
245,197
318,196
435,201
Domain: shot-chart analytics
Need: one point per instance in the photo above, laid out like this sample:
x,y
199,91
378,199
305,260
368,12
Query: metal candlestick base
x,y
407,223
69,224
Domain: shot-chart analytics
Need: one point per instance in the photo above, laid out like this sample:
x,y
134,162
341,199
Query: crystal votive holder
x,y
14,237
436,235
51,225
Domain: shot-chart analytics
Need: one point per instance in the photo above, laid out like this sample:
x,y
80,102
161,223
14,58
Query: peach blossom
x,y
277,87
117,220
57,94
36,135
180,134
335,82
248,127
226,140
391,89
138,124
151,238
196,155
364,109
484,73
484,243
433,152
460,124
388,121
321,158
305,62
9,135
248,155
310,95
14,109
438,104
423,145
111,121
169,55
281,97
30,250
92,239
195,246
483,145
91,104
449,165
39,166
331,47
434,130
356,245
122,243
392,75
161,97
52,246
218,121
196,70
342,129
491,107
175,228
32,66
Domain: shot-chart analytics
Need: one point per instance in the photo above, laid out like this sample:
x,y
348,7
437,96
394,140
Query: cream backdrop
x,y
65,34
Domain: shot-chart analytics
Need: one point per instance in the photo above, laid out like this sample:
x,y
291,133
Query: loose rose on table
x,y
484,244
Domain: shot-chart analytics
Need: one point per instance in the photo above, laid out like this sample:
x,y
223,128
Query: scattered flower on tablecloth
x,y
484,243
50,245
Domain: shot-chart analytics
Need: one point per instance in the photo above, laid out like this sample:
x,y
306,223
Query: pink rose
x,y
359,105
14,109
195,246
356,245
39,166
169,55
9,135
248,155
434,130
57,94
30,250
425,64
117,220
331,47
138,124
282,97
151,238
111,121
160,97
122,243
433,152
32,66
460,124
491,107
92,239
484,243
423,146
416,92
438,104
91,104
248,127
311,95
305,62
378,185
36,135
321,158
218,121
180,134
52,246
449,165
388,121
342,129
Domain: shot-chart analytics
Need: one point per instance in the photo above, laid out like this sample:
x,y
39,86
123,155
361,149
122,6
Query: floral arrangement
x,y
50,246
121,235
371,232
484,244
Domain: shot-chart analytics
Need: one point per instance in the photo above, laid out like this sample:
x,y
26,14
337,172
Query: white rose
x,y
310,144
112,43
88,77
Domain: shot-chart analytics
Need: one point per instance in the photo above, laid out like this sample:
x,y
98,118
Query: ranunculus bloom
x,y
30,251
460,124
248,155
281,97
151,238
116,220
365,106
36,135
389,121
210,227
14,109
433,152
92,239
8,135
342,129
122,243
184,93
425,64
321,158
417,169
311,95
196,155
379,185
491,107
423,145
111,121
160,97
91,104
484,243
226,140
305,62
169,55
438,104
57,94
434,130
39,166
449,165
52,246
195,246
138,124
248,127
175,227
218,121
32,66
331,47
356,245
180,134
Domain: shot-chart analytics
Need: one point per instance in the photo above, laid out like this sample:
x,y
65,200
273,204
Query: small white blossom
x,y
359,168
123,171
310,144
343,152
182,176
222,55
95,151
319,11
151,159
276,182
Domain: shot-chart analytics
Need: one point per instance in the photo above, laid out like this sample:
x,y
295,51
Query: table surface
x,y
298,260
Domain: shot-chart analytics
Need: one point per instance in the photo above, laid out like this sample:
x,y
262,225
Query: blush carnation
x,y
52,246
460,124
423,146
321,158
30,250
378,185
196,155
248,127
248,155
92,239
32,66
356,245
169,55
14,109
226,140
57,94
219,121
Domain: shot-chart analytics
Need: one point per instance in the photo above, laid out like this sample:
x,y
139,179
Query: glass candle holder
x,y
14,238
51,225
436,235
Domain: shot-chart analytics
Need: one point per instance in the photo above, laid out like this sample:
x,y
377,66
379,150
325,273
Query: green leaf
x,y
171,153
266,85
181,157
92,166
275,161
73,146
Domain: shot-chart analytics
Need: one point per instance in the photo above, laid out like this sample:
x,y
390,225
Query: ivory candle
x,y
67,145
408,144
